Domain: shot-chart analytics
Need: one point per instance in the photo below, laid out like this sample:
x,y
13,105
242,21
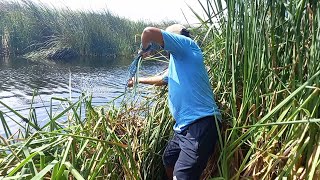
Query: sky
x,y
148,10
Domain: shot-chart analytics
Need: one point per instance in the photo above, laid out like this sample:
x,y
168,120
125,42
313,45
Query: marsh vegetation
x,y
263,59
37,31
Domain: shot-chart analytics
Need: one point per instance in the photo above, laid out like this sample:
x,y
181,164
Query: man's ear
x,y
185,32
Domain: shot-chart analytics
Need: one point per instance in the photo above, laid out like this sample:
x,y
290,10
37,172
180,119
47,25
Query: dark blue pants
x,y
188,152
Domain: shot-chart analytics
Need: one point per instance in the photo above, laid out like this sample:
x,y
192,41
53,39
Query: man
x,y
191,102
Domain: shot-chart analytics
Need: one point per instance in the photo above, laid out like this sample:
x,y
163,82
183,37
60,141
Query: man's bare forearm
x,y
154,80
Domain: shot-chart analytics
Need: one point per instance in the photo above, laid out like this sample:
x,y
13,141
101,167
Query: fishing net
x,y
134,66
132,71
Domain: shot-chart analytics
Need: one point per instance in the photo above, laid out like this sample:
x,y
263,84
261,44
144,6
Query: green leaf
x,y
45,170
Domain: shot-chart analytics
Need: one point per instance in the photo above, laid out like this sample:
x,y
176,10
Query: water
x,y
105,78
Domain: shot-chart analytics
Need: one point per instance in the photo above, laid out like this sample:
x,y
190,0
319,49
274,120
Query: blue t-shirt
x,y
190,93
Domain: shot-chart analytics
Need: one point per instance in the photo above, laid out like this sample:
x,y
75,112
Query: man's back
x,y
190,93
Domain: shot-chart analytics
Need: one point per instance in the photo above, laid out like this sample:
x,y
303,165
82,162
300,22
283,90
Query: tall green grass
x,y
39,31
265,68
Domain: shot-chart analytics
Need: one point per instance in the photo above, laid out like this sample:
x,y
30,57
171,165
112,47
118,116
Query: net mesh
x,y
132,71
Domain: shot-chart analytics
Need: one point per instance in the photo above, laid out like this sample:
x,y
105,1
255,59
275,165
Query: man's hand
x,y
130,82
145,52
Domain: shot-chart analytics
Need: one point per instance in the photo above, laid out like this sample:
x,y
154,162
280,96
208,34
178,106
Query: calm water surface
x,y
104,77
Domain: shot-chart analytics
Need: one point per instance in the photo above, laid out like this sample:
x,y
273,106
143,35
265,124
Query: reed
x,y
264,66
105,143
38,31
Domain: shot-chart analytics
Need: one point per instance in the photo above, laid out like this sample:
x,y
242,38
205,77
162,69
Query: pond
x,y
104,77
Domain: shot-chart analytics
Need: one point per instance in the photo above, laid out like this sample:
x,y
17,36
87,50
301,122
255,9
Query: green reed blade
x,y
5,125
45,170
73,171
315,163
32,167
20,116
22,163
